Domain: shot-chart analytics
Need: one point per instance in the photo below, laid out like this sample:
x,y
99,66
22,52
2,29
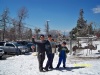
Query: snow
x,y
76,65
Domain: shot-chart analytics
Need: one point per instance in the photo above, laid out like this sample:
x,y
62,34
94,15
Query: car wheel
x,y
0,57
18,52
5,52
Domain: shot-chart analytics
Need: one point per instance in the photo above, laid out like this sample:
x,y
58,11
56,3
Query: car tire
x,y
0,57
18,52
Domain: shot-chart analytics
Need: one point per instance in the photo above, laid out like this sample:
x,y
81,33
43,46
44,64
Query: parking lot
x,y
5,56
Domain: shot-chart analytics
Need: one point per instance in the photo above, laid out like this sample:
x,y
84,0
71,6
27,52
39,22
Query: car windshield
x,y
17,44
22,42
30,44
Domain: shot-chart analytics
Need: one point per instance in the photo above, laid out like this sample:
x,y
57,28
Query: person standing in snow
x,y
62,54
53,45
48,52
74,49
41,50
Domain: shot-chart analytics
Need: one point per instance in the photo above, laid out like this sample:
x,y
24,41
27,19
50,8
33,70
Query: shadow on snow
x,y
68,68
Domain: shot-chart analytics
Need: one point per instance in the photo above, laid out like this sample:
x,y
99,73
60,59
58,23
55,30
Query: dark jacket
x,y
62,51
40,45
48,47
74,48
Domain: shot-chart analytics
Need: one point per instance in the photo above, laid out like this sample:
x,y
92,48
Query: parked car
x,y
22,48
2,43
1,53
14,47
31,47
22,42
1,49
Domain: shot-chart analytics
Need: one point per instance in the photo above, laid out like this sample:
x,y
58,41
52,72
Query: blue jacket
x,y
62,51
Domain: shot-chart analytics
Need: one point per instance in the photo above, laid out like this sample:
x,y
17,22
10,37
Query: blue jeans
x,y
49,56
60,60
52,57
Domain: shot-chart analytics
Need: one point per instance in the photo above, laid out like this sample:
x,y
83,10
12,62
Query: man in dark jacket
x,y
41,51
48,52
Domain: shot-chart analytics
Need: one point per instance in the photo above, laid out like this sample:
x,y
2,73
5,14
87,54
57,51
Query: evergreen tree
x,y
82,28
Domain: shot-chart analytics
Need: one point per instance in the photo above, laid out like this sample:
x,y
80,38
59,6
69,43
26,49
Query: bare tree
x,y
27,33
37,31
13,29
22,14
4,21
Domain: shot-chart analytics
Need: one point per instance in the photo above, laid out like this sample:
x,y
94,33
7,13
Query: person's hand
x,y
33,36
33,47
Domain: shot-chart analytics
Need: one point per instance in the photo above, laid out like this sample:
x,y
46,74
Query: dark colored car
x,y
22,42
32,47
2,43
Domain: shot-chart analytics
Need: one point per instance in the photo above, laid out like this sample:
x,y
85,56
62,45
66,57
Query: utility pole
x,y
47,27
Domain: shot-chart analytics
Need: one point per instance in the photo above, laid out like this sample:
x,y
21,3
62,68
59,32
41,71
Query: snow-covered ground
x,y
28,65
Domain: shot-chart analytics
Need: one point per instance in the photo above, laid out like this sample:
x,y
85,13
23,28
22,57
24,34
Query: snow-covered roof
x,y
86,37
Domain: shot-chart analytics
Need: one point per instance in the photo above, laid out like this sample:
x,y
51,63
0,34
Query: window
x,y
10,45
2,43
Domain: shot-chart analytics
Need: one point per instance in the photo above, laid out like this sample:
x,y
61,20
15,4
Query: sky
x,y
62,14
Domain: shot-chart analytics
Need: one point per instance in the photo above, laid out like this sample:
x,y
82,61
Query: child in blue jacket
x,y
62,54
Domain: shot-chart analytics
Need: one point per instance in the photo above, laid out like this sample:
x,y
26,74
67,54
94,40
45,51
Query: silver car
x,y
14,47
1,53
